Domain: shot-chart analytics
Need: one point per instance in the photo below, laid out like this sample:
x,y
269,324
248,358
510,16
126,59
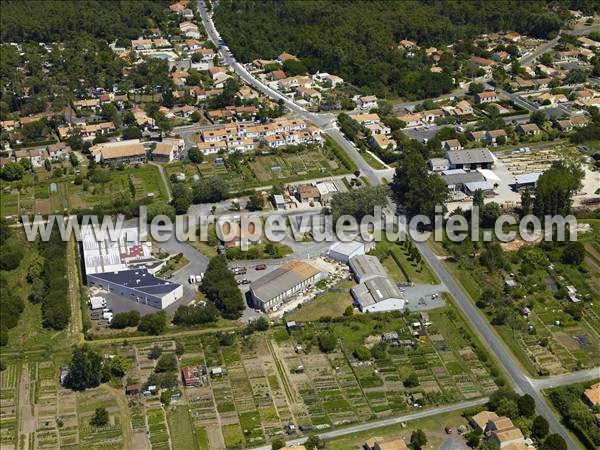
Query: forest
x,y
57,20
357,40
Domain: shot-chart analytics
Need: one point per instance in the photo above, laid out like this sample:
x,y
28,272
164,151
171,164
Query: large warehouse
x,y
273,289
378,294
140,286
365,267
125,266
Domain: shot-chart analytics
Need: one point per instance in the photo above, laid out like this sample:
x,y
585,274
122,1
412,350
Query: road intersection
x,y
490,339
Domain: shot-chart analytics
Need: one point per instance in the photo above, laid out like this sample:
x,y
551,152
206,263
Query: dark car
x,y
260,267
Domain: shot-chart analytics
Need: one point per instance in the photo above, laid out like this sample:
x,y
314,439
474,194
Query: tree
x,y
125,319
327,342
100,417
362,353
179,348
84,368
526,202
473,439
182,198
412,380
489,214
540,427
554,189
256,202
220,287
195,155
573,254
418,191
537,117
158,208
418,439
154,323
359,202
277,443
166,363
478,198
508,407
210,190
475,88
12,171
131,133
118,366
554,442
526,405
313,442
155,352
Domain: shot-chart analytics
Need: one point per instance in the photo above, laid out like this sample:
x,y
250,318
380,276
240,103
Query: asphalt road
x,y
324,121
548,46
494,344
386,422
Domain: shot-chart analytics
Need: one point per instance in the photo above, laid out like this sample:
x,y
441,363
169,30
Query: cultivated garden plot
x,y
9,380
550,315
46,193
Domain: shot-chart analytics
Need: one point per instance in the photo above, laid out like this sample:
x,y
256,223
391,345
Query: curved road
x,y
520,381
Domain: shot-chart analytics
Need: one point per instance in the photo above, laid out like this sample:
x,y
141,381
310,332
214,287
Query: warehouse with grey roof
x,y
276,287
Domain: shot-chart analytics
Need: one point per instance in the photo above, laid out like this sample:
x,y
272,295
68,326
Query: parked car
x,y
448,430
260,267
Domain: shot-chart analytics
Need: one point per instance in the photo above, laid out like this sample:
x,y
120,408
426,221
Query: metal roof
x,y
376,290
139,280
366,266
282,279
470,156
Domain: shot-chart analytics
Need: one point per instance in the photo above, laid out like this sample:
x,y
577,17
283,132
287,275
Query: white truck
x,y
97,302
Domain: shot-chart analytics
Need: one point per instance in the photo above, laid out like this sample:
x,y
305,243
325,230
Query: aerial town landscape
x,y
247,112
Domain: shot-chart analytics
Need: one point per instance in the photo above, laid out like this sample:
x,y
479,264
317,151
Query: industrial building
x,y
123,264
140,286
366,267
273,289
378,294
343,251
470,158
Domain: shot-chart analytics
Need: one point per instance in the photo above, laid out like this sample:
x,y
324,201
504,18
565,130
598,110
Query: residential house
x,y
58,152
411,119
439,164
286,57
307,193
309,94
191,376
165,152
493,135
486,97
476,135
189,29
121,152
432,114
377,443
592,395
367,102
484,63
480,420
324,77
452,144
528,129
276,75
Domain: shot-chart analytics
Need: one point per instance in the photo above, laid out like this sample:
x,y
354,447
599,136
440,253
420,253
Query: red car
x,y
260,267
448,430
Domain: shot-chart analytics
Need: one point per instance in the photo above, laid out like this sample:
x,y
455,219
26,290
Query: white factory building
x,y
122,263
376,292
343,251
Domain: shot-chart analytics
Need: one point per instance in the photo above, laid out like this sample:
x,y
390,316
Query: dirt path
x,y
127,431
27,422
75,327
164,180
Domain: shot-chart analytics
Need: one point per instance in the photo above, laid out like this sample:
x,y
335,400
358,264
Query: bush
x,y
125,319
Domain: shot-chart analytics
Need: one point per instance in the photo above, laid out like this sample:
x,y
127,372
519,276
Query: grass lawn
x,y
202,437
372,161
332,303
419,273
432,424
180,428
233,436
